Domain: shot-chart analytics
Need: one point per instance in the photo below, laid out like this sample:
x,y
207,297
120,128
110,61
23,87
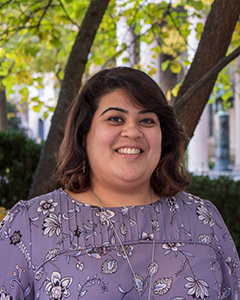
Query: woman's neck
x,y
115,198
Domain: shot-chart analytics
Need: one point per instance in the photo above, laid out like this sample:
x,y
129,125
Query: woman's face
x,y
123,144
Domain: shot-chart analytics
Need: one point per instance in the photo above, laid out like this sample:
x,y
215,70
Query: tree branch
x,y
18,28
44,13
212,72
5,3
63,8
69,89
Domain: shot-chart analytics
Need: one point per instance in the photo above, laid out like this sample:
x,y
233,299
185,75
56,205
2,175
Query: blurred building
x,y
215,147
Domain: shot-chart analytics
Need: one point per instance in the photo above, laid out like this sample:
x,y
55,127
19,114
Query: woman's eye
x,y
115,119
148,121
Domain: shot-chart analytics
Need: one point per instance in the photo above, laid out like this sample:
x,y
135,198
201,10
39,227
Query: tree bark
x,y
211,73
212,47
44,179
3,108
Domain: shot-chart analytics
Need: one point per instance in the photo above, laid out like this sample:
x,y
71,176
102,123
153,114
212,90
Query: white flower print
x,y
196,199
57,288
46,206
15,238
39,273
155,225
52,254
80,265
146,237
172,203
52,224
127,248
205,215
231,266
171,247
7,219
152,269
197,288
109,266
3,294
138,282
226,293
105,216
98,251
204,238
162,286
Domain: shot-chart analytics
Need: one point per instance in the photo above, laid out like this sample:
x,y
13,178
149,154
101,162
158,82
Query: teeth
x,y
128,150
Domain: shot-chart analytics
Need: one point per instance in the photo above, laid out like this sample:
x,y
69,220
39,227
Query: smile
x,y
128,150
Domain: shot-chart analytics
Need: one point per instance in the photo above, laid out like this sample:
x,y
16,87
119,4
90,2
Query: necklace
x,y
123,249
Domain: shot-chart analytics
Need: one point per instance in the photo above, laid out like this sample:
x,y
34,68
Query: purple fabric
x,y
53,247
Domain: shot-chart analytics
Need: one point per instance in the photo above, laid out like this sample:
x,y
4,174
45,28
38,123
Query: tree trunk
x,y
44,179
212,47
3,108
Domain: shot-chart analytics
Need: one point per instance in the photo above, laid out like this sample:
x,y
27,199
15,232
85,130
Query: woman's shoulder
x,y
195,207
185,198
23,209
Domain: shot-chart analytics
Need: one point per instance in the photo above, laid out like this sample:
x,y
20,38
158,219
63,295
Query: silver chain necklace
x,y
123,249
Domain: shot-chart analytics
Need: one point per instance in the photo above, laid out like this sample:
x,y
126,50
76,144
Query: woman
x,y
121,226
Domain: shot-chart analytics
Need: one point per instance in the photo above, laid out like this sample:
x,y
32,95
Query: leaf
x,y
165,65
227,95
125,60
68,259
153,269
34,219
132,222
71,235
121,290
37,108
139,282
61,74
38,294
199,30
113,240
198,5
83,293
27,291
79,287
175,67
187,253
45,115
123,229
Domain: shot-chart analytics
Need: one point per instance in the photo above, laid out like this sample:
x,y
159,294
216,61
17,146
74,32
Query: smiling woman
x,y
124,101
121,222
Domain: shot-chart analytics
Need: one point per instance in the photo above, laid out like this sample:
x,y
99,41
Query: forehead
x,y
120,98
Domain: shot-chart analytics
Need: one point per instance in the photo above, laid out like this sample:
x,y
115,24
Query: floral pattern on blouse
x,y
54,247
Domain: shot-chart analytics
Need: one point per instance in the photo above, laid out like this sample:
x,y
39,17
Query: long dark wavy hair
x,y
170,175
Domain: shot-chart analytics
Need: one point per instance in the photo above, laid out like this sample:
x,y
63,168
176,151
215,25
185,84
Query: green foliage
x,y
13,120
224,193
36,37
19,156
222,88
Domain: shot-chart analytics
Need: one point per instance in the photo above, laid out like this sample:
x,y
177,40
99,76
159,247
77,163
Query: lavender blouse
x,y
53,247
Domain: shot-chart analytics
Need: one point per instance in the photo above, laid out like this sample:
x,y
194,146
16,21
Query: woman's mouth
x,y
129,150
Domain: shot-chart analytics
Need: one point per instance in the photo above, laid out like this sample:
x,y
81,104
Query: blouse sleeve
x,y
227,254
15,258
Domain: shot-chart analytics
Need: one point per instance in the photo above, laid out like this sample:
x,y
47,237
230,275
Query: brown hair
x,y
170,176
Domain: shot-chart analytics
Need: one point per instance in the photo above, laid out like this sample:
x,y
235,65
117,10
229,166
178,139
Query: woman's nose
x,y
131,130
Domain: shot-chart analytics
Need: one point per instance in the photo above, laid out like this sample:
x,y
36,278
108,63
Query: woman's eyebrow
x,y
125,111
114,108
